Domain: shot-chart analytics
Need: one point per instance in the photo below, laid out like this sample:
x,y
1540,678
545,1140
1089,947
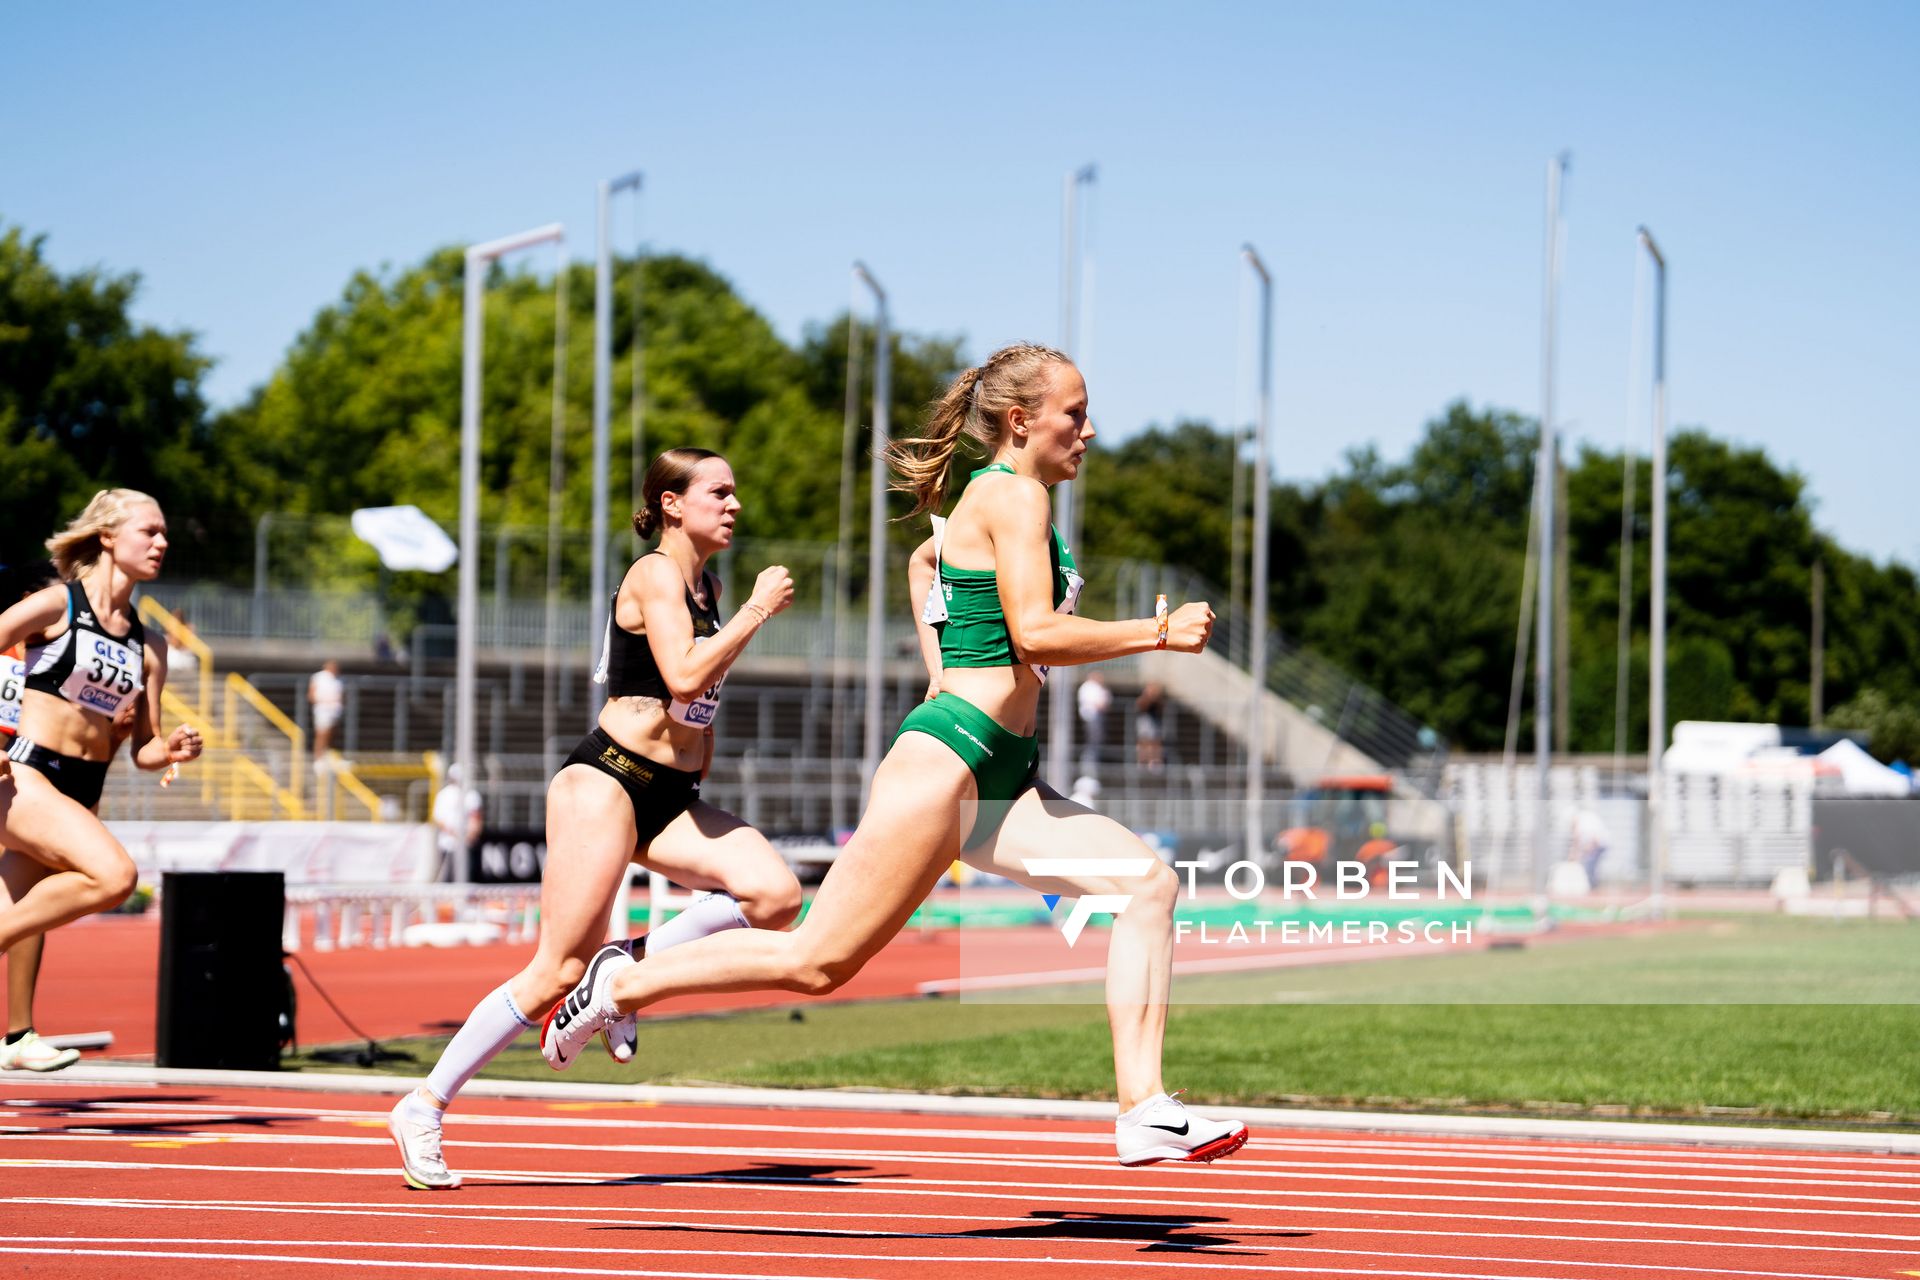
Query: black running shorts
x,y
658,793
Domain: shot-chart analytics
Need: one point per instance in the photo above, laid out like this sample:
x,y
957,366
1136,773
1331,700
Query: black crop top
x,y
629,669
88,665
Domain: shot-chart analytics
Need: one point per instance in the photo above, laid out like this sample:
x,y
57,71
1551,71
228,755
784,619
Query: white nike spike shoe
x,y
1161,1128
585,1011
622,1035
421,1163
31,1053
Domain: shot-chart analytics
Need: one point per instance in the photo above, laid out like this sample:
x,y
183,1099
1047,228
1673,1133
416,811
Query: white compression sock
x,y
710,913
495,1023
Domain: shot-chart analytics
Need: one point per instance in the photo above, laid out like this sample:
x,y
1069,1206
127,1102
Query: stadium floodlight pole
x,y
842,550
876,536
1657,590
1060,697
602,402
466,645
260,528
1257,587
1543,616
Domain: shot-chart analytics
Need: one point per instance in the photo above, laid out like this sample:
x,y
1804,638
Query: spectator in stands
x,y
1588,841
1094,698
456,822
1148,749
327,696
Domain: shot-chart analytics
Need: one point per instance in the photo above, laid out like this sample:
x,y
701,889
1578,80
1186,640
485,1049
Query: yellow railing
x,y
245,775
245,778
343,774
238,691
179,633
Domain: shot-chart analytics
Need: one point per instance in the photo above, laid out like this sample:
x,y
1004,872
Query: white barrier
x,y
363,853
378,915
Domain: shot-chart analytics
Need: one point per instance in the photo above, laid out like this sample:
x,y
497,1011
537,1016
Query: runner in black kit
x,y
630,792
93,676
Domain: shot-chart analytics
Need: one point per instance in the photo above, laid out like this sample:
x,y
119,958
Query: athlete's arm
x,y
149,751
920,575
44,614
653,599
33,615
1017,520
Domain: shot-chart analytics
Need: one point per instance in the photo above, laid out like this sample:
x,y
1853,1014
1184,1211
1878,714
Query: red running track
x,y
195,1182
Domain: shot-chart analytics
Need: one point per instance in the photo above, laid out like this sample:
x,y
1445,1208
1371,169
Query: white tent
x,y
1862,774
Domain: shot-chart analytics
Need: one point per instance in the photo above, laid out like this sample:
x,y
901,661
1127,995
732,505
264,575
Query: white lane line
x,y
1032,1137
610,1215
849,1233
1465,1148
1212,1265
1784,1177
331,1260
847,1101
1429,1176
1052,1192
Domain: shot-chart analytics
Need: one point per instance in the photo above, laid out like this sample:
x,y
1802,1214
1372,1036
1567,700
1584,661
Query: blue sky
x,y
1388,160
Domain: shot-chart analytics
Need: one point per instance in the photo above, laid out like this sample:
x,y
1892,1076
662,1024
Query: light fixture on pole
x,y
1257,587
1543,616
1657,595
1063,680
876,536
602,408
466,645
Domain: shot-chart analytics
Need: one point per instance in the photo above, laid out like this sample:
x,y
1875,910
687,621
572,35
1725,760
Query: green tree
x,y
89,399
1892,727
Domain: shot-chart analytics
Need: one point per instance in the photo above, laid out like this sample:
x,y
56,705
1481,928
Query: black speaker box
x,y
222,985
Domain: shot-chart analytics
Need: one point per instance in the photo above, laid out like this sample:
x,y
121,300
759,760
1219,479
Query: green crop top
x,y
963,607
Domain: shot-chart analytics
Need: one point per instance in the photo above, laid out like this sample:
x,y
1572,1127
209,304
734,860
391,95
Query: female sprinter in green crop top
x,y
958,779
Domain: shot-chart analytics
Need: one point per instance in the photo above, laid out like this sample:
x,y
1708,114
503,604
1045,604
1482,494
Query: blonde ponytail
x,y
975,407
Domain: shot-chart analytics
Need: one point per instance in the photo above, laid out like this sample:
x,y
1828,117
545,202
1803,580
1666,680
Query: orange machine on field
x,y
1341,819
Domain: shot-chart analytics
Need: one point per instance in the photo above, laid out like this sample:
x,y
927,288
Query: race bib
x,y
939,595
13,677
106,674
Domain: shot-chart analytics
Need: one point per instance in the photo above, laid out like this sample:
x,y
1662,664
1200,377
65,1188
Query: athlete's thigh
x,y
590,839
1045,825
53,829
911,832
19,873
709,848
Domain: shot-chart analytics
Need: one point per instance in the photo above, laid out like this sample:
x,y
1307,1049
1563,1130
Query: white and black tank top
x,y
629,669
88,665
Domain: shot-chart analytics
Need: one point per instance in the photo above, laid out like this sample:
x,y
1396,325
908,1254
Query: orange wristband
x,y
1160,621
